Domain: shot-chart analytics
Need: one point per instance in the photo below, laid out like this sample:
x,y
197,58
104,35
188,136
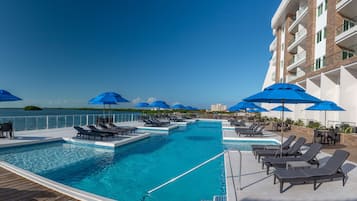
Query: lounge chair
x,y
258,131
106,131
250,128
112,129
81,132
292,151
129,129
331,170
286,144
155,123
309,156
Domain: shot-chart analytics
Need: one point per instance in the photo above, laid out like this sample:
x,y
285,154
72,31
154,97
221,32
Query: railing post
x,y
72,120
56,121
87,119
46,121
132,116
113,118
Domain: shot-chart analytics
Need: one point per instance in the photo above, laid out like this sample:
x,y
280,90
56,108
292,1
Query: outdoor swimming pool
x,y
128,172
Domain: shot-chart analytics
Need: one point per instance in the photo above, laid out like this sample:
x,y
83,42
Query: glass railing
x,y
297,58
297,36
343,55
22,123
347,25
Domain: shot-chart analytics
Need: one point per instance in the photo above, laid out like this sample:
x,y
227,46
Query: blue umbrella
x,y
178,107
325,106
107,98
281,108
159,104
258,109
7,96
243,105
283,93
142,104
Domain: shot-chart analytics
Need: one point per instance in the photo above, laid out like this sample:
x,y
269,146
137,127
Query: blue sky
x,y
61,53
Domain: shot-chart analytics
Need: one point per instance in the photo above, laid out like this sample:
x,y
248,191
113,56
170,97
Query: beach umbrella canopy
x,y
243,105
178,107
7,96
107,98
281,108
325,106
283,93
142,104
159,104
258,109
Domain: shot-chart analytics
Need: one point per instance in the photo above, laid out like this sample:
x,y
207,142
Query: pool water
x,y
128,172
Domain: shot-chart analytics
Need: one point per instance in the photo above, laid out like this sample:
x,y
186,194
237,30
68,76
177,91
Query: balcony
x,y
272,46
346,34
295,75
347,8
300,37
300,16
297,60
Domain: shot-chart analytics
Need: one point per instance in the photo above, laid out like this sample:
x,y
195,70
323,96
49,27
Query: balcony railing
x,y
297,58
300,34
336,58
347,25
22,123
298,17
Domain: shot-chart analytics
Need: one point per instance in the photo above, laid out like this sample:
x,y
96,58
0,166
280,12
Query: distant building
x,y
218,108
315,47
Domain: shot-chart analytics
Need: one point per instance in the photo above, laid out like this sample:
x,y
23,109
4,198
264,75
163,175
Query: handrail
x,y
181,175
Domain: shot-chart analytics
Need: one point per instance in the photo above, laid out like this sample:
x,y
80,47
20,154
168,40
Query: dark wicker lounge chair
x,y
286,144
309,156
81,132
331,170
258,131
292,151
129,129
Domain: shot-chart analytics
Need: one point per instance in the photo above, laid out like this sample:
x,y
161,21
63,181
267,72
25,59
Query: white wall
x,y
329,91
314,90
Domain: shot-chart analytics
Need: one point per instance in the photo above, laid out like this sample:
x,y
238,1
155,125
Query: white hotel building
x,y
315,47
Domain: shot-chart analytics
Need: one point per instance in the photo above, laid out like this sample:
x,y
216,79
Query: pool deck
x,y
256,185
15,187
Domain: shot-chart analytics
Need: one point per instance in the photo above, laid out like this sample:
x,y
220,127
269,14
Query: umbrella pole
x,y
282,132
325,120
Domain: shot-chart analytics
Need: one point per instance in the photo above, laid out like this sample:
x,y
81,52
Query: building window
x,y
318,64
325,32
324,61
347,24
346,54
320,9
325,4
319,36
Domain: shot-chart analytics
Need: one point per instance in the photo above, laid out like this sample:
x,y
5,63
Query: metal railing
x,y
22,123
